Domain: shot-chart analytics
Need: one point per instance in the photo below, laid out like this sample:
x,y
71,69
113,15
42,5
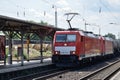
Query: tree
x,y
118,35
43,23
110,35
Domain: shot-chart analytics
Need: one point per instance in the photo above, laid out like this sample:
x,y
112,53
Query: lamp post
x,y
98,27
86,24
117,25
93,25
55,14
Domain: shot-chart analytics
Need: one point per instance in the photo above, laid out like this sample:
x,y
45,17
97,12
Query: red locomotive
x,y
71,47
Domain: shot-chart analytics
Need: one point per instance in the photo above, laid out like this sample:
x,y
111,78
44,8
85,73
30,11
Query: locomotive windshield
x,y
65,38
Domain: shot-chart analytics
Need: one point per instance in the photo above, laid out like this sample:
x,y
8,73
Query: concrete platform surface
x,y
17,65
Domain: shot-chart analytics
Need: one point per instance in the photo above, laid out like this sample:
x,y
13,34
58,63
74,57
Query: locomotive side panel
x,y
92,47
102,46
79,45
82,47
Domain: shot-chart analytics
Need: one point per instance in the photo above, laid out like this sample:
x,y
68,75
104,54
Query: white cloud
x,y
62,3
114,3
64,9
38,15
35,12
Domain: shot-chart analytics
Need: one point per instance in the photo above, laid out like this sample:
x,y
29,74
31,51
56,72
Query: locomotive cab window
x,y
60,38
65,38
71,38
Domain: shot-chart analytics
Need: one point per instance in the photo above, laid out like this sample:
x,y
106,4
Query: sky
x,y
97,13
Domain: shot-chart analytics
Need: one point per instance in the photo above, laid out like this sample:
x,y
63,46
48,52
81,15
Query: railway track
x,y
43,74
51,75
104,73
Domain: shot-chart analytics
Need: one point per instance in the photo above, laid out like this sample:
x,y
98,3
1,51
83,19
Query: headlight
x,y
57,52
72,52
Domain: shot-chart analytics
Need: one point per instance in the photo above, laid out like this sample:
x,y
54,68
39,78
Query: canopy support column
x,y
22,42
28,41
41,49
10,47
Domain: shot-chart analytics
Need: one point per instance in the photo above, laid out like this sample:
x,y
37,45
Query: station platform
x,y
17,65
116,77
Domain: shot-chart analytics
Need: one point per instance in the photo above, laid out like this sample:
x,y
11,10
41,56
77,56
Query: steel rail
x,y
34,74
50,75
100,70
108,77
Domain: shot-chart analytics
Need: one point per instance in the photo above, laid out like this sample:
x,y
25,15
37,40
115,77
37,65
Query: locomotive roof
x,y
87,33
108,38
90,34
83,33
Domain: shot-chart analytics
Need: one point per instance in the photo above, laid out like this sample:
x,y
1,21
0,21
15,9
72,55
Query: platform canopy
x,y
22,27
13,24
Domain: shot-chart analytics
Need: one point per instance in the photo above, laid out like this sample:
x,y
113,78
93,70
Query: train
x,y
116,46
71,47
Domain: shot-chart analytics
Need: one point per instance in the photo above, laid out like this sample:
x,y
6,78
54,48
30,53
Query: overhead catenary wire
x,y
109,10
